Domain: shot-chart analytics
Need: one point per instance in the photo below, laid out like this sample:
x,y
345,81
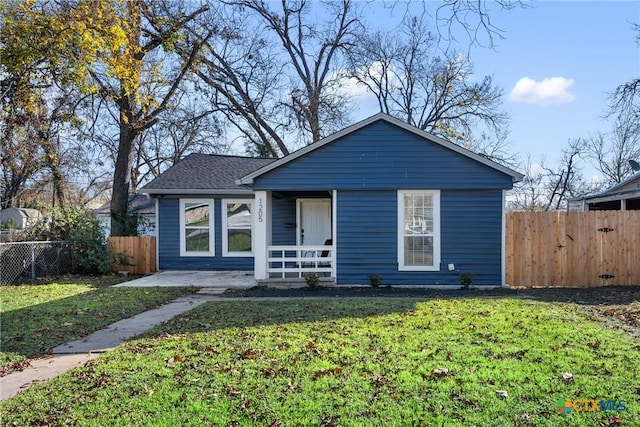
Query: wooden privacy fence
x,y
579,249
140,253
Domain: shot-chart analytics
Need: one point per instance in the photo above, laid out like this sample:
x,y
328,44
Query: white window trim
x,y
225,234
435,194
212,242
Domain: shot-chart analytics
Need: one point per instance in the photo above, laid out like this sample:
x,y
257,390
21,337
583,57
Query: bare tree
x,y
546,188
275,68
625,100
187,128
436,93
610,152
472,18
240,71
566,180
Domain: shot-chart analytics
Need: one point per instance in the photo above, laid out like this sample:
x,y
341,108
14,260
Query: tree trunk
x,y
120,217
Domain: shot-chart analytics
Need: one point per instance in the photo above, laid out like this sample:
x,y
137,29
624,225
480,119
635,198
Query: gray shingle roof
x,y
137,203
205,172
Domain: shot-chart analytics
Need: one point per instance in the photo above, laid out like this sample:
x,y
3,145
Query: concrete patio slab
x,y
198,279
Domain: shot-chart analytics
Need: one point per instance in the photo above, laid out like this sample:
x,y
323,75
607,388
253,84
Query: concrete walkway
x,y
76,353
123,330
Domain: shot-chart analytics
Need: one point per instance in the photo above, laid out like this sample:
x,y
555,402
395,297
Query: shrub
x,y
466,279
312,280
375,280
88,246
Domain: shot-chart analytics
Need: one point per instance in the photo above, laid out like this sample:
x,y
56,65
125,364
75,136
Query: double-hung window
x,y
419,230
237,228
196,227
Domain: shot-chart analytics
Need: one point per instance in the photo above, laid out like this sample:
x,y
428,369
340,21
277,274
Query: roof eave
x,y
195,191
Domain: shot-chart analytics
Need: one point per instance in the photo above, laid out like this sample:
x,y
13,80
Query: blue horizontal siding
x,y
471,229
283,221
169,242
382,156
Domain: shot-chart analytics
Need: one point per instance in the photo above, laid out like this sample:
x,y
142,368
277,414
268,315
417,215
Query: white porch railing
x,y
297,261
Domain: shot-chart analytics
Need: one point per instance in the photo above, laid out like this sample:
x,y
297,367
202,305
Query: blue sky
x,y
556,64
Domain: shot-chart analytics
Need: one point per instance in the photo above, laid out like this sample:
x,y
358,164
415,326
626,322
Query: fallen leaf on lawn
x,y
209,348
311,344
171,362
567,376
502,393
232,390
67,324
616,421
440,372
283,345
323,372
378,379
248,354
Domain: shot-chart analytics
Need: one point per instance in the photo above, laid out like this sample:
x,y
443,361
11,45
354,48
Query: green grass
x,y
350,362
37,318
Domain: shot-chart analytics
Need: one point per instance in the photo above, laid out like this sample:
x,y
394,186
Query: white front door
x,y
314,221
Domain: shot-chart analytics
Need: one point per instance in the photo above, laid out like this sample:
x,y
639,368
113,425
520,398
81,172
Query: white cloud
x,y
553,90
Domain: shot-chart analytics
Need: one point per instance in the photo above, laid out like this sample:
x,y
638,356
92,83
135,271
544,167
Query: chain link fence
x,y
27,260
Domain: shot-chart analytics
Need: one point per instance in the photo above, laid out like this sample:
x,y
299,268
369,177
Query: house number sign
x,y
260,210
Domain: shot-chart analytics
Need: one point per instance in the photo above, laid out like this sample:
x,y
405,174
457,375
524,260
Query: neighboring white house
x,y
19,218
138,203
624,196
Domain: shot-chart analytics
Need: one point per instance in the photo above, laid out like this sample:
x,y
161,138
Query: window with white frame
x,y
196,227
237,228
419,230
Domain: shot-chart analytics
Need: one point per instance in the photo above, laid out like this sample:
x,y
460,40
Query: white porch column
x,y
334,233
262,234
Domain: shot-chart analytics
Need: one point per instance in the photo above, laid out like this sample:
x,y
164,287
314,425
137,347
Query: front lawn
x,y
382,361
37,318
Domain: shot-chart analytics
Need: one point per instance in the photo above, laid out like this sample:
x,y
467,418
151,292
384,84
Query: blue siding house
x,y
379,197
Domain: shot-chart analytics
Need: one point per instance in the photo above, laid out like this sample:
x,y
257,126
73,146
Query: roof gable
x,y
248,179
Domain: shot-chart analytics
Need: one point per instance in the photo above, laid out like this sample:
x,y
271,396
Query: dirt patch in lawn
x,y
617,307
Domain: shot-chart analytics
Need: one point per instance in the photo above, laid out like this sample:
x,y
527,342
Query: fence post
x,y
33,261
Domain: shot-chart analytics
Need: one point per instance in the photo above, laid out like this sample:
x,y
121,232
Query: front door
x,y
314,221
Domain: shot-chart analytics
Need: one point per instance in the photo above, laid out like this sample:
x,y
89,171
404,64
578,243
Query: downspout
x,y
157,215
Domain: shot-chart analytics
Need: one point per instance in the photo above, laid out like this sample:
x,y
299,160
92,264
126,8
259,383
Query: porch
x,y
295,235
